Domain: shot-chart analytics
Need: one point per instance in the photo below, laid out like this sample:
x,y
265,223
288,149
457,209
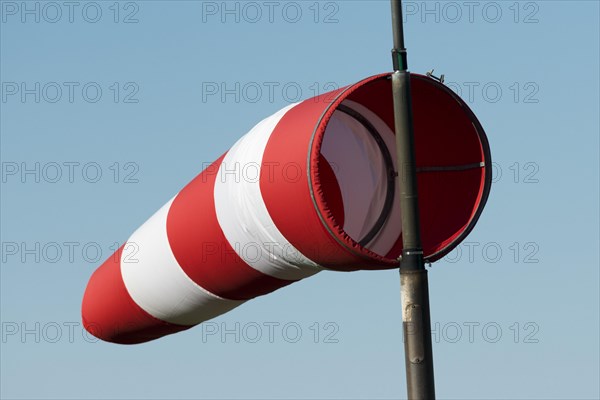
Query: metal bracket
x,y
440,79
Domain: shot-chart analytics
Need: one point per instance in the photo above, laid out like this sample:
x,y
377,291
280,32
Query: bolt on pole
x,y
413,275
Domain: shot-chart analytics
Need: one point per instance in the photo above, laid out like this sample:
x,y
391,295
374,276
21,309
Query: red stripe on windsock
x,y
287,194
109,313
202,250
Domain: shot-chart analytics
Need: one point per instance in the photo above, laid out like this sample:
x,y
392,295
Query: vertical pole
x,y
413,275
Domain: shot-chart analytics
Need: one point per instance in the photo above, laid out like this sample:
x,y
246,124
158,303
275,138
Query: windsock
x,y
313,187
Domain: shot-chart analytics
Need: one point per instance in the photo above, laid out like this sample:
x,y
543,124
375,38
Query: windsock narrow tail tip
x,y
109,313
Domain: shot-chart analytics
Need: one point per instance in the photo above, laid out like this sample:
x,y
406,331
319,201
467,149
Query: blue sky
x,y
109,105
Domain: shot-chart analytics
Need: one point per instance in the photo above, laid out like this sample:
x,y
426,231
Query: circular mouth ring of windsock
x,y
453,169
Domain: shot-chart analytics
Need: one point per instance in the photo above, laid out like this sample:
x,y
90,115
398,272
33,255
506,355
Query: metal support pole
x,y
413,275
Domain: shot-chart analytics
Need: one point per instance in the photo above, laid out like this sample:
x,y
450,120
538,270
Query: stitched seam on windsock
x,y
243,214
157,283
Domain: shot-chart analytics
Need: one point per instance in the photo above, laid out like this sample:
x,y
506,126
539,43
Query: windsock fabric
x,y
314,186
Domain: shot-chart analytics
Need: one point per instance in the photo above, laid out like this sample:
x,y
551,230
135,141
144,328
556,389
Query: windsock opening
x,y
360,205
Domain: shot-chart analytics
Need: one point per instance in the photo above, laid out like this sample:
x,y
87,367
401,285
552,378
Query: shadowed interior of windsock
x,y
357,178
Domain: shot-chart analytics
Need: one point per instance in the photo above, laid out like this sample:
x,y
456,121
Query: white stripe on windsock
x,y
156,282
243,215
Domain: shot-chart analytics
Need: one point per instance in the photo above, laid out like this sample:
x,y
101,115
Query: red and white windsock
x,y
315,186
